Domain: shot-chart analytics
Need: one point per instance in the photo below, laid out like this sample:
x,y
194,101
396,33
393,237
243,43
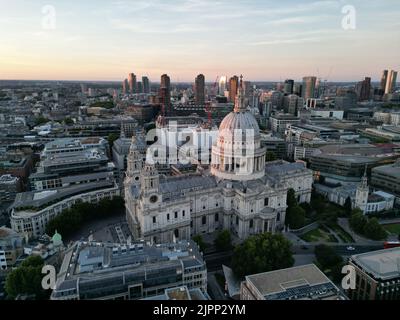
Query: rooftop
x,y
35,199
300,282
281,167
6,232
89,155
8,179
382,264
96,262
390,170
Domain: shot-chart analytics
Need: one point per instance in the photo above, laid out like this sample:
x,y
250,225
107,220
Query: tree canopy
x,y
223,241
70,220
261,253
200,242
368,227
374,230
329,261
27,279
347,206
111,139
357,221
295,214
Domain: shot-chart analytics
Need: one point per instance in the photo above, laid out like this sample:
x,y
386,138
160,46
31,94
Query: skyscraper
x,y
247,88
125,86
165,92
297,89
146,84
363,89
233,88
139,87
222,85
383,80
391,82
288,87
132,83
309,87
199,89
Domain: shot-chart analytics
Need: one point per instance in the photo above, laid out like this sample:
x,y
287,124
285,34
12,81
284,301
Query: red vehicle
x,y
391,244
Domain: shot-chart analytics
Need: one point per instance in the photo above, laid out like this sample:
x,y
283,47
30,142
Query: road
x,y
215,260
339,248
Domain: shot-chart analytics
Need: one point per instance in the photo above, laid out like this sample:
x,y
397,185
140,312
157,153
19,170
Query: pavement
x,y
105,230
389,221
344,223
213,288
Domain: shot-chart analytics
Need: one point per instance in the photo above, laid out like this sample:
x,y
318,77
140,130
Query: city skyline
x,y
271,42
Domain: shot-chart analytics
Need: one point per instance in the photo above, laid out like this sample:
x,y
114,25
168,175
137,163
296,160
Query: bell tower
x,y
149,180
362,193
134,163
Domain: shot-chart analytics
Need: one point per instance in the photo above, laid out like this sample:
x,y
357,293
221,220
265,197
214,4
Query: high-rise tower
x,y
132,83
146,84
309,87
199,90
233,88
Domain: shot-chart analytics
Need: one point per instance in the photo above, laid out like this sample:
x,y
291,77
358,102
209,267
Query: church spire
x,y
239,101
364,179
122,132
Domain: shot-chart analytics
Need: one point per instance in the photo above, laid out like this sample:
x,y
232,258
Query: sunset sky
x,y
264,40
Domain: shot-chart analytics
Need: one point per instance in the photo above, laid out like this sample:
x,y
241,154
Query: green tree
x,y
291,199
27,279
329,218
270,156
374,230
327,256
347,206
111,139
295,217
261,253
318,203
68,121
103,104
41,120
357,221
336,272
200,242
70,220
223,241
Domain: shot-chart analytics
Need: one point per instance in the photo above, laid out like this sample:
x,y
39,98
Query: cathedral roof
x,y
186,183
241,120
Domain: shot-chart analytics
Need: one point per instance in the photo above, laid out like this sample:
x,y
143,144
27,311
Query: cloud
x,y
286,41
161,28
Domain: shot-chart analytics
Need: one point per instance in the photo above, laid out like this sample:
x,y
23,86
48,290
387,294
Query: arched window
x,y
278,217
204,220
176,233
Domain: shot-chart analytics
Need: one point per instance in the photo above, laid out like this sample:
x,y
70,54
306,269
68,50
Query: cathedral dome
x,y
239,120
237,154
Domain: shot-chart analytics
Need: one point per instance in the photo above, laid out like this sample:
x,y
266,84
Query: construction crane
x,y
215,91
208,103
